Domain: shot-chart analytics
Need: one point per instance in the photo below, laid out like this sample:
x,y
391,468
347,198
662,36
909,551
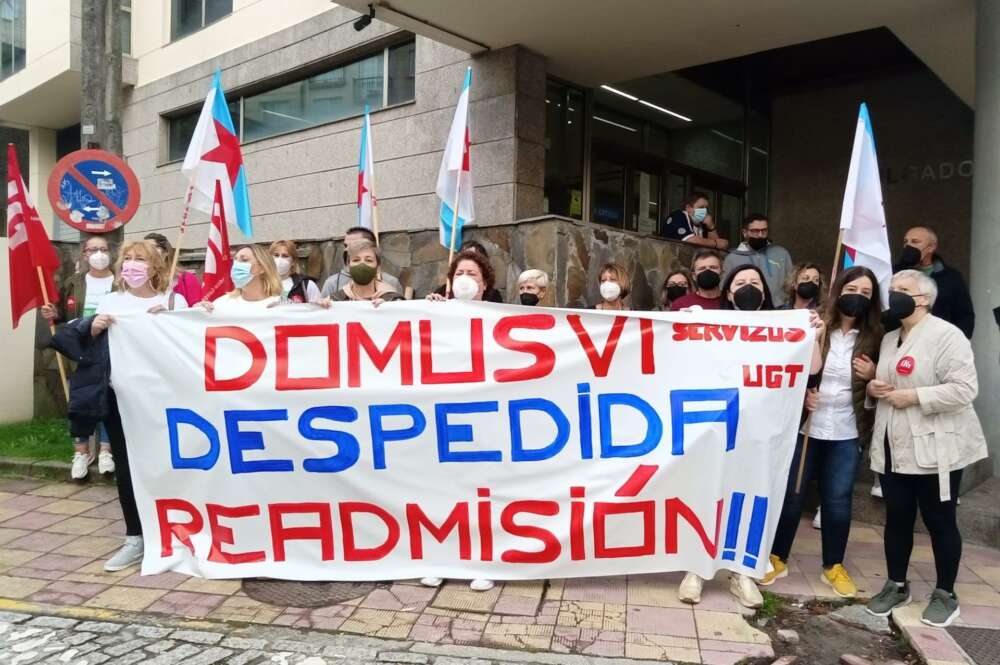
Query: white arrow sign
x,y
103,173
89,209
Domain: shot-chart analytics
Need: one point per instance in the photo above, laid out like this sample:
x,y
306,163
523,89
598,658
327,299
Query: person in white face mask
x,y
614,285
295,287
470,276
255,277
81,293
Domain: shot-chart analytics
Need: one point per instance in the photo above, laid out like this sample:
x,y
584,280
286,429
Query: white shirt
x,y
312,291
97,288
123,302
236,304
833,419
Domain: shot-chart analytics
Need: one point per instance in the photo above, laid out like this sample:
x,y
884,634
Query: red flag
x,y
29,246
218,262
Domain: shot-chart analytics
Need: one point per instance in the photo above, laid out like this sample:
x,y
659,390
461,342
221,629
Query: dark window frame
x,y
174,36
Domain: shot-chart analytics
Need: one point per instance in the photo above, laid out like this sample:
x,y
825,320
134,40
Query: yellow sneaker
x,y
838,580
780,569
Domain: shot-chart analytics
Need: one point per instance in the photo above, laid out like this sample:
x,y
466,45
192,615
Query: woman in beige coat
x,y
926,432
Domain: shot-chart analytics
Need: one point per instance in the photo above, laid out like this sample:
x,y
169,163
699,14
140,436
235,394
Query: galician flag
x,y
366,176
455,176
862,219
214,155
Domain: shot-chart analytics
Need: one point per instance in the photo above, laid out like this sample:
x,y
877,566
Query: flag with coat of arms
x,y
214,156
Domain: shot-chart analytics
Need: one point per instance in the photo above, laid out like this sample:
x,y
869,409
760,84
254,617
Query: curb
x,y
45,470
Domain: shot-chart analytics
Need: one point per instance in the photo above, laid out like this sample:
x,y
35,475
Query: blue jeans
x,y
834,464
102,435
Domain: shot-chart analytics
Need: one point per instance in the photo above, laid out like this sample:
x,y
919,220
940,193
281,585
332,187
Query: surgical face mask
x,y
748,298
240,274
909,257
362,273
853,304
284,265
529,299
901,305
610,291
99,260
135,273
464,287
707,280
807,290
699,215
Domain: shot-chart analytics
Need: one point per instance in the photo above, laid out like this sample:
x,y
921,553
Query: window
x,y
563,150
126,27
332,95
187,16
12,37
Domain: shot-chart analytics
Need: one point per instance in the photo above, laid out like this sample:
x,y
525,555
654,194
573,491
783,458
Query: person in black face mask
x,y
805,288
839,424
532,286
746,289
757,249
954,304
706,268
675,286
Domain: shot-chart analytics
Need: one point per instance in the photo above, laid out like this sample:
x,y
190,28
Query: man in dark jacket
x,y
953,304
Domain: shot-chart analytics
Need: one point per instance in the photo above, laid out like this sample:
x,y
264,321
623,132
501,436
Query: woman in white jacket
x,y
926,432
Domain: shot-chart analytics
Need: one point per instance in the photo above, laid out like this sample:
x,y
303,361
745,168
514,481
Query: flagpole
x,y
454,229
52,329
180,233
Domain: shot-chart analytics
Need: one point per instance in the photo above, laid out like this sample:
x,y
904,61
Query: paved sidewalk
x,y
54,538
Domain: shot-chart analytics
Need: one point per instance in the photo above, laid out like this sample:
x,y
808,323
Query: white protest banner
x,y
458,439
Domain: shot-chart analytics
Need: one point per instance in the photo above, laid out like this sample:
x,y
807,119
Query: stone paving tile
x,y
399,597
594,615
589,642
26,502
727,627
19,587
10,513
97,546
186,604
220,587
59,562
57,490
380,623
98,494
165,581
456,595
655,590
125,598
107,511
721,657
934,644
244,609
977,594
67,593
10,558
114,530
987,573
7,535
80,526
40,541
661,621
596,589
19,485
662,647
982,617
448,627
33,520
517,636
323,618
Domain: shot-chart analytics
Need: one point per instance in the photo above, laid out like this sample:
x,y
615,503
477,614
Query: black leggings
x,y
904,493
126,497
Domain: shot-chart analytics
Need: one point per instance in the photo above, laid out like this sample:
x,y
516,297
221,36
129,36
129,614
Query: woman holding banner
x,y
363,262
141,287
469,276
532,285
614,285
839,423
746,289
255,277
926,432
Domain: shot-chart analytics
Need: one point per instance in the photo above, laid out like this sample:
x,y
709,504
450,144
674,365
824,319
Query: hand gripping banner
x,y
458,440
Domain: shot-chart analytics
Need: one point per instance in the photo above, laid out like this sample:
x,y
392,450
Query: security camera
x,y
366,20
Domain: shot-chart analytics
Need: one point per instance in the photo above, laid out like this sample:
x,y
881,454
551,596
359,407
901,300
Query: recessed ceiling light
x,y
619,92
663,110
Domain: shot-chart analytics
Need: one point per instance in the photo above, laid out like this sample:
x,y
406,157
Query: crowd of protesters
x,y
894,379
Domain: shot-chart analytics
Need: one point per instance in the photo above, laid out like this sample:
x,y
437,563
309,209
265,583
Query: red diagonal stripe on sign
x,y
637,480
89,186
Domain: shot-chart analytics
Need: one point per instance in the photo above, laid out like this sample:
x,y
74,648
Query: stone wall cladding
x,y
303,184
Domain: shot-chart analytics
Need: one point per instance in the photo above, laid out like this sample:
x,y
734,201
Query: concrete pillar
x,y
985,254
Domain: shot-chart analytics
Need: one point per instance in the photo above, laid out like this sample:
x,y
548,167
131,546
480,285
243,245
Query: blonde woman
x,y
255,277
295,287
614,285
141,286
805,288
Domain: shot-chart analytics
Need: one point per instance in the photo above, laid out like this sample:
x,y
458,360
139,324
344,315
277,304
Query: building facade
x,y
588,124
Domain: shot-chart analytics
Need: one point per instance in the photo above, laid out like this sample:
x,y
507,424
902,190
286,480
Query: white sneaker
x,y
481,585
432,581
690,589
129,555
746,591
105,462
81,466
877,489
817,524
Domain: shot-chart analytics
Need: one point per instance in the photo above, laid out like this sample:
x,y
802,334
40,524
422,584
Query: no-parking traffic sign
x,y
93,191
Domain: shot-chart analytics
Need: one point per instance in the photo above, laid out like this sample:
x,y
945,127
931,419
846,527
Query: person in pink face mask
x,y
142,286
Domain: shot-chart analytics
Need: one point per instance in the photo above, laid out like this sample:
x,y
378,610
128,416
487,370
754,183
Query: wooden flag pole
x,y
454,230
52,329
180,233
806,425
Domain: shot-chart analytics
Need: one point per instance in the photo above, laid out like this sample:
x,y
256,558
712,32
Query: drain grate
x,y
291,593
981,644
